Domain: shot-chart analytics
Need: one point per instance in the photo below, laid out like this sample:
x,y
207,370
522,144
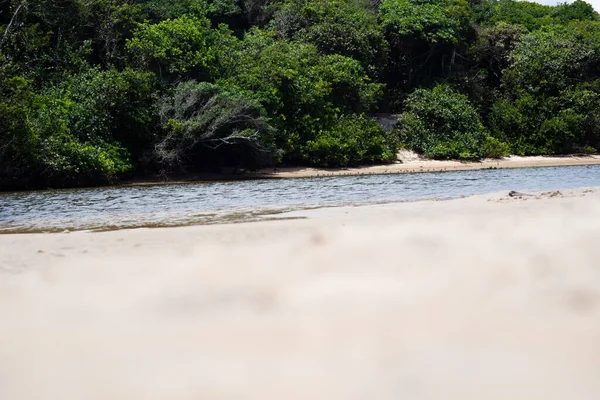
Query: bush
x,y
539,125
17,139
79,131
441,123
67,154
202,122
114,106
304,91
494,148
353,140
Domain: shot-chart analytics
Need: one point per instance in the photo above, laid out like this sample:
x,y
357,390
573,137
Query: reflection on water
x,y
215,202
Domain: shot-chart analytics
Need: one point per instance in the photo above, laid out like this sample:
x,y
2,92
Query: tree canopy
x,y
95,91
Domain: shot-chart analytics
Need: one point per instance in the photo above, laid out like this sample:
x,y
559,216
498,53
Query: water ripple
x,y
215,202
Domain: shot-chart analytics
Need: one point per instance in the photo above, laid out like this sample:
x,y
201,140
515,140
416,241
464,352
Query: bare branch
x,y
10,24
201,115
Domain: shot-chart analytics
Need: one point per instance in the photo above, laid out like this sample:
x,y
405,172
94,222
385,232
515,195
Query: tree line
x,y
92,91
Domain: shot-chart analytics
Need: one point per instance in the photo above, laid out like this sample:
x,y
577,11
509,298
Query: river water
x,y
217,202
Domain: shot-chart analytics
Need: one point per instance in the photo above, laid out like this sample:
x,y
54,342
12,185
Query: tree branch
x,y
12,21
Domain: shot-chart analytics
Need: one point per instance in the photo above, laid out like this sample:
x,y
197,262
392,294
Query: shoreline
x,y
316,212
415,164
501,290
408,163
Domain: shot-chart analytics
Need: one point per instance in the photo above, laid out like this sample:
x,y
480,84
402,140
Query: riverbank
x,y
427,300
411,163
408,163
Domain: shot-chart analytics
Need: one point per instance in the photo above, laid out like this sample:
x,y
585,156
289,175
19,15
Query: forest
x,y
96,91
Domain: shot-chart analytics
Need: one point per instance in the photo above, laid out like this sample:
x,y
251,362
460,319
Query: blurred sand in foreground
x,y
490,297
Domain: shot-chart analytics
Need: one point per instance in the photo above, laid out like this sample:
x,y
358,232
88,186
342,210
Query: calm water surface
x,y
205,203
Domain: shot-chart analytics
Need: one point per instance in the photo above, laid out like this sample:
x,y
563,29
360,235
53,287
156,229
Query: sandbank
x,y
408,163
488,297
411,163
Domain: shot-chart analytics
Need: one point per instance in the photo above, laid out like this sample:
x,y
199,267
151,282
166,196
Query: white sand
x,y
410,162
479,298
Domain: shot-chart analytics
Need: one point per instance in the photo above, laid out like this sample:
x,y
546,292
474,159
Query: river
x,y
110,208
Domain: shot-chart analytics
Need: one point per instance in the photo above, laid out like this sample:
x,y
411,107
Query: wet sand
x,y
489,297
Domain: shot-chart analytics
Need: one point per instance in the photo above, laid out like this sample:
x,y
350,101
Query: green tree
x,y
539,124
548,60
302,90
433,21
77,132
441,123
186,46
91,91
345,27
17,139
551,91
577,10
116,106
530,15
425,37
492,51
351,141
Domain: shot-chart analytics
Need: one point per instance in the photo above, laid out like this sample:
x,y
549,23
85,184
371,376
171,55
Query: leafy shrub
x,y
547,107
353,140
60,157
441,123
536,125
494,148
17,139
303,90
78,131
115,106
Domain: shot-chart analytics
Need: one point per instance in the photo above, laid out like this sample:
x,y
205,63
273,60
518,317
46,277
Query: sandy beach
x,y
488,297
409,162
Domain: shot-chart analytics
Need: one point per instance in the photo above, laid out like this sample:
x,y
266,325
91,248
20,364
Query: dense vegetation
x,y
95,90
